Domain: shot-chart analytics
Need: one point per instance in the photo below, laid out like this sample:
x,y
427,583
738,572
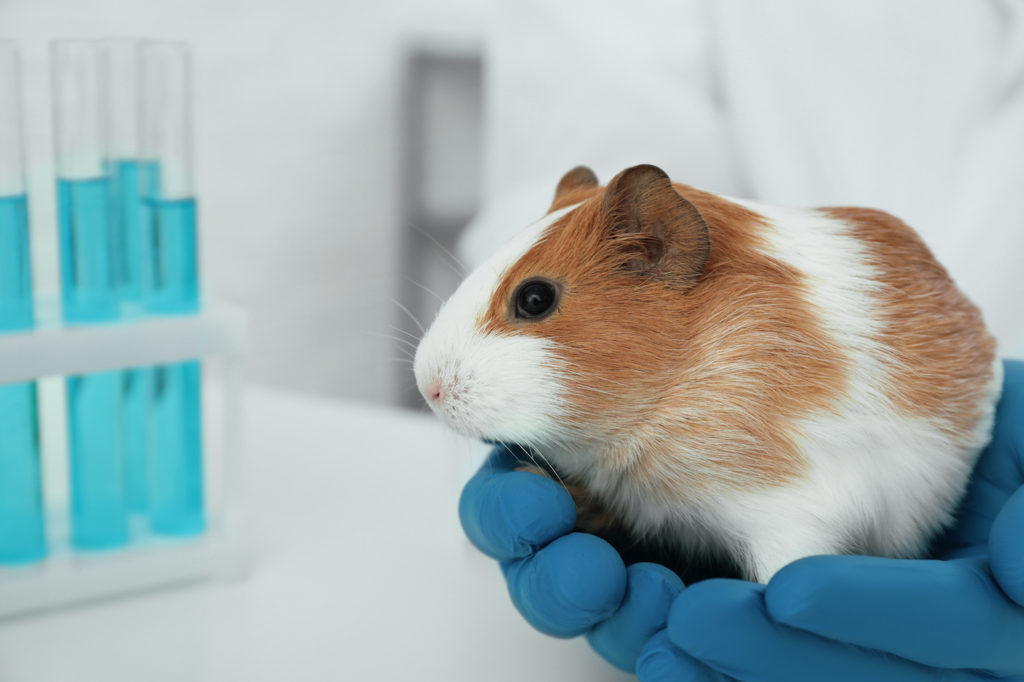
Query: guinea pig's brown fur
x,y
945,352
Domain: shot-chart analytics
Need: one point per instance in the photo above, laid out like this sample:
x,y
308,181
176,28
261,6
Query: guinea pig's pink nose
x,y
433,391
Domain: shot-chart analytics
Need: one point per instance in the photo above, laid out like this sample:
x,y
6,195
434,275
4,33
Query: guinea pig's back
x,y
922,376
907,335
816,324
876,379
938,359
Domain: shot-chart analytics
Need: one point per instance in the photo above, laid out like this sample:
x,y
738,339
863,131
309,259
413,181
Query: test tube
x,y
89,278
130,181
89,294
15,269
22,531
171,288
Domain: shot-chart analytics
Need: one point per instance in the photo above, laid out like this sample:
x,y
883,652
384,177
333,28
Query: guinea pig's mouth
x,y
453,412
470,418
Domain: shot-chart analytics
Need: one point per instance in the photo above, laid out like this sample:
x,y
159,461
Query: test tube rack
x,y
216,335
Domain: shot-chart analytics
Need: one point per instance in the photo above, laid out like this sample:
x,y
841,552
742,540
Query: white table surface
x,y
358,571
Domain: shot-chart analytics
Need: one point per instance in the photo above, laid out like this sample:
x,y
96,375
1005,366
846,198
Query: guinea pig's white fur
x,y
856,469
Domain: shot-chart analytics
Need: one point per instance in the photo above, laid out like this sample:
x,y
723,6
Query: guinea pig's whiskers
x,y
412,337
549,467
529,453
461,272
429,291
408,347
389,337
411,316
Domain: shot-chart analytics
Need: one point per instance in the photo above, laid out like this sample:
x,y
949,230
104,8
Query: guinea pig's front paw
x,y
591,515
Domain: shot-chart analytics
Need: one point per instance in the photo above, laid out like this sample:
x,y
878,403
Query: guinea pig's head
x,y
570,328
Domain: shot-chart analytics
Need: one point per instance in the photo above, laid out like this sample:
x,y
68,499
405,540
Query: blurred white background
x,y
331,135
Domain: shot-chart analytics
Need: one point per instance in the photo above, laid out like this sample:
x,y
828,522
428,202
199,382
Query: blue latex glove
x,y
958,616
564,583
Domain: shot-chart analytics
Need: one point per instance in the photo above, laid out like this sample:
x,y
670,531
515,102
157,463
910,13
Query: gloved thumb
x,y
1006,548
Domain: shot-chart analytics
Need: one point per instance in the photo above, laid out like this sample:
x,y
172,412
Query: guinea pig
x,y
723,378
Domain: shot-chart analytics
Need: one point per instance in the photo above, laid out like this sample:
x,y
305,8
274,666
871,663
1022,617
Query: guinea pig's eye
x,y
535,298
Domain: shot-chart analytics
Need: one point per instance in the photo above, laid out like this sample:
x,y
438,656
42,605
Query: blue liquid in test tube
x,y
176,478
15,269
87,267
98,495
135,436
176,492
172,288
175,281
98,506
90,294
131,181
22,525
22,531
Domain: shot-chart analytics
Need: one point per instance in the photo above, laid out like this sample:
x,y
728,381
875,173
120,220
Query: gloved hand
x,y
957,616
564,583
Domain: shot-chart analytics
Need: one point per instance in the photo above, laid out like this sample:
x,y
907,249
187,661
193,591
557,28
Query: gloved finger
x,y
997,475
662,661
947,614
650,591
1008,429
568,587
510,514
724,624
1006,547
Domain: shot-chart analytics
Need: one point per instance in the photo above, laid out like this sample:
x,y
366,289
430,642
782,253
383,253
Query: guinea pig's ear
x,y
658,232
578,178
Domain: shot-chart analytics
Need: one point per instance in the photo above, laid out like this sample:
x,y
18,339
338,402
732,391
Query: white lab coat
x,y
915,107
